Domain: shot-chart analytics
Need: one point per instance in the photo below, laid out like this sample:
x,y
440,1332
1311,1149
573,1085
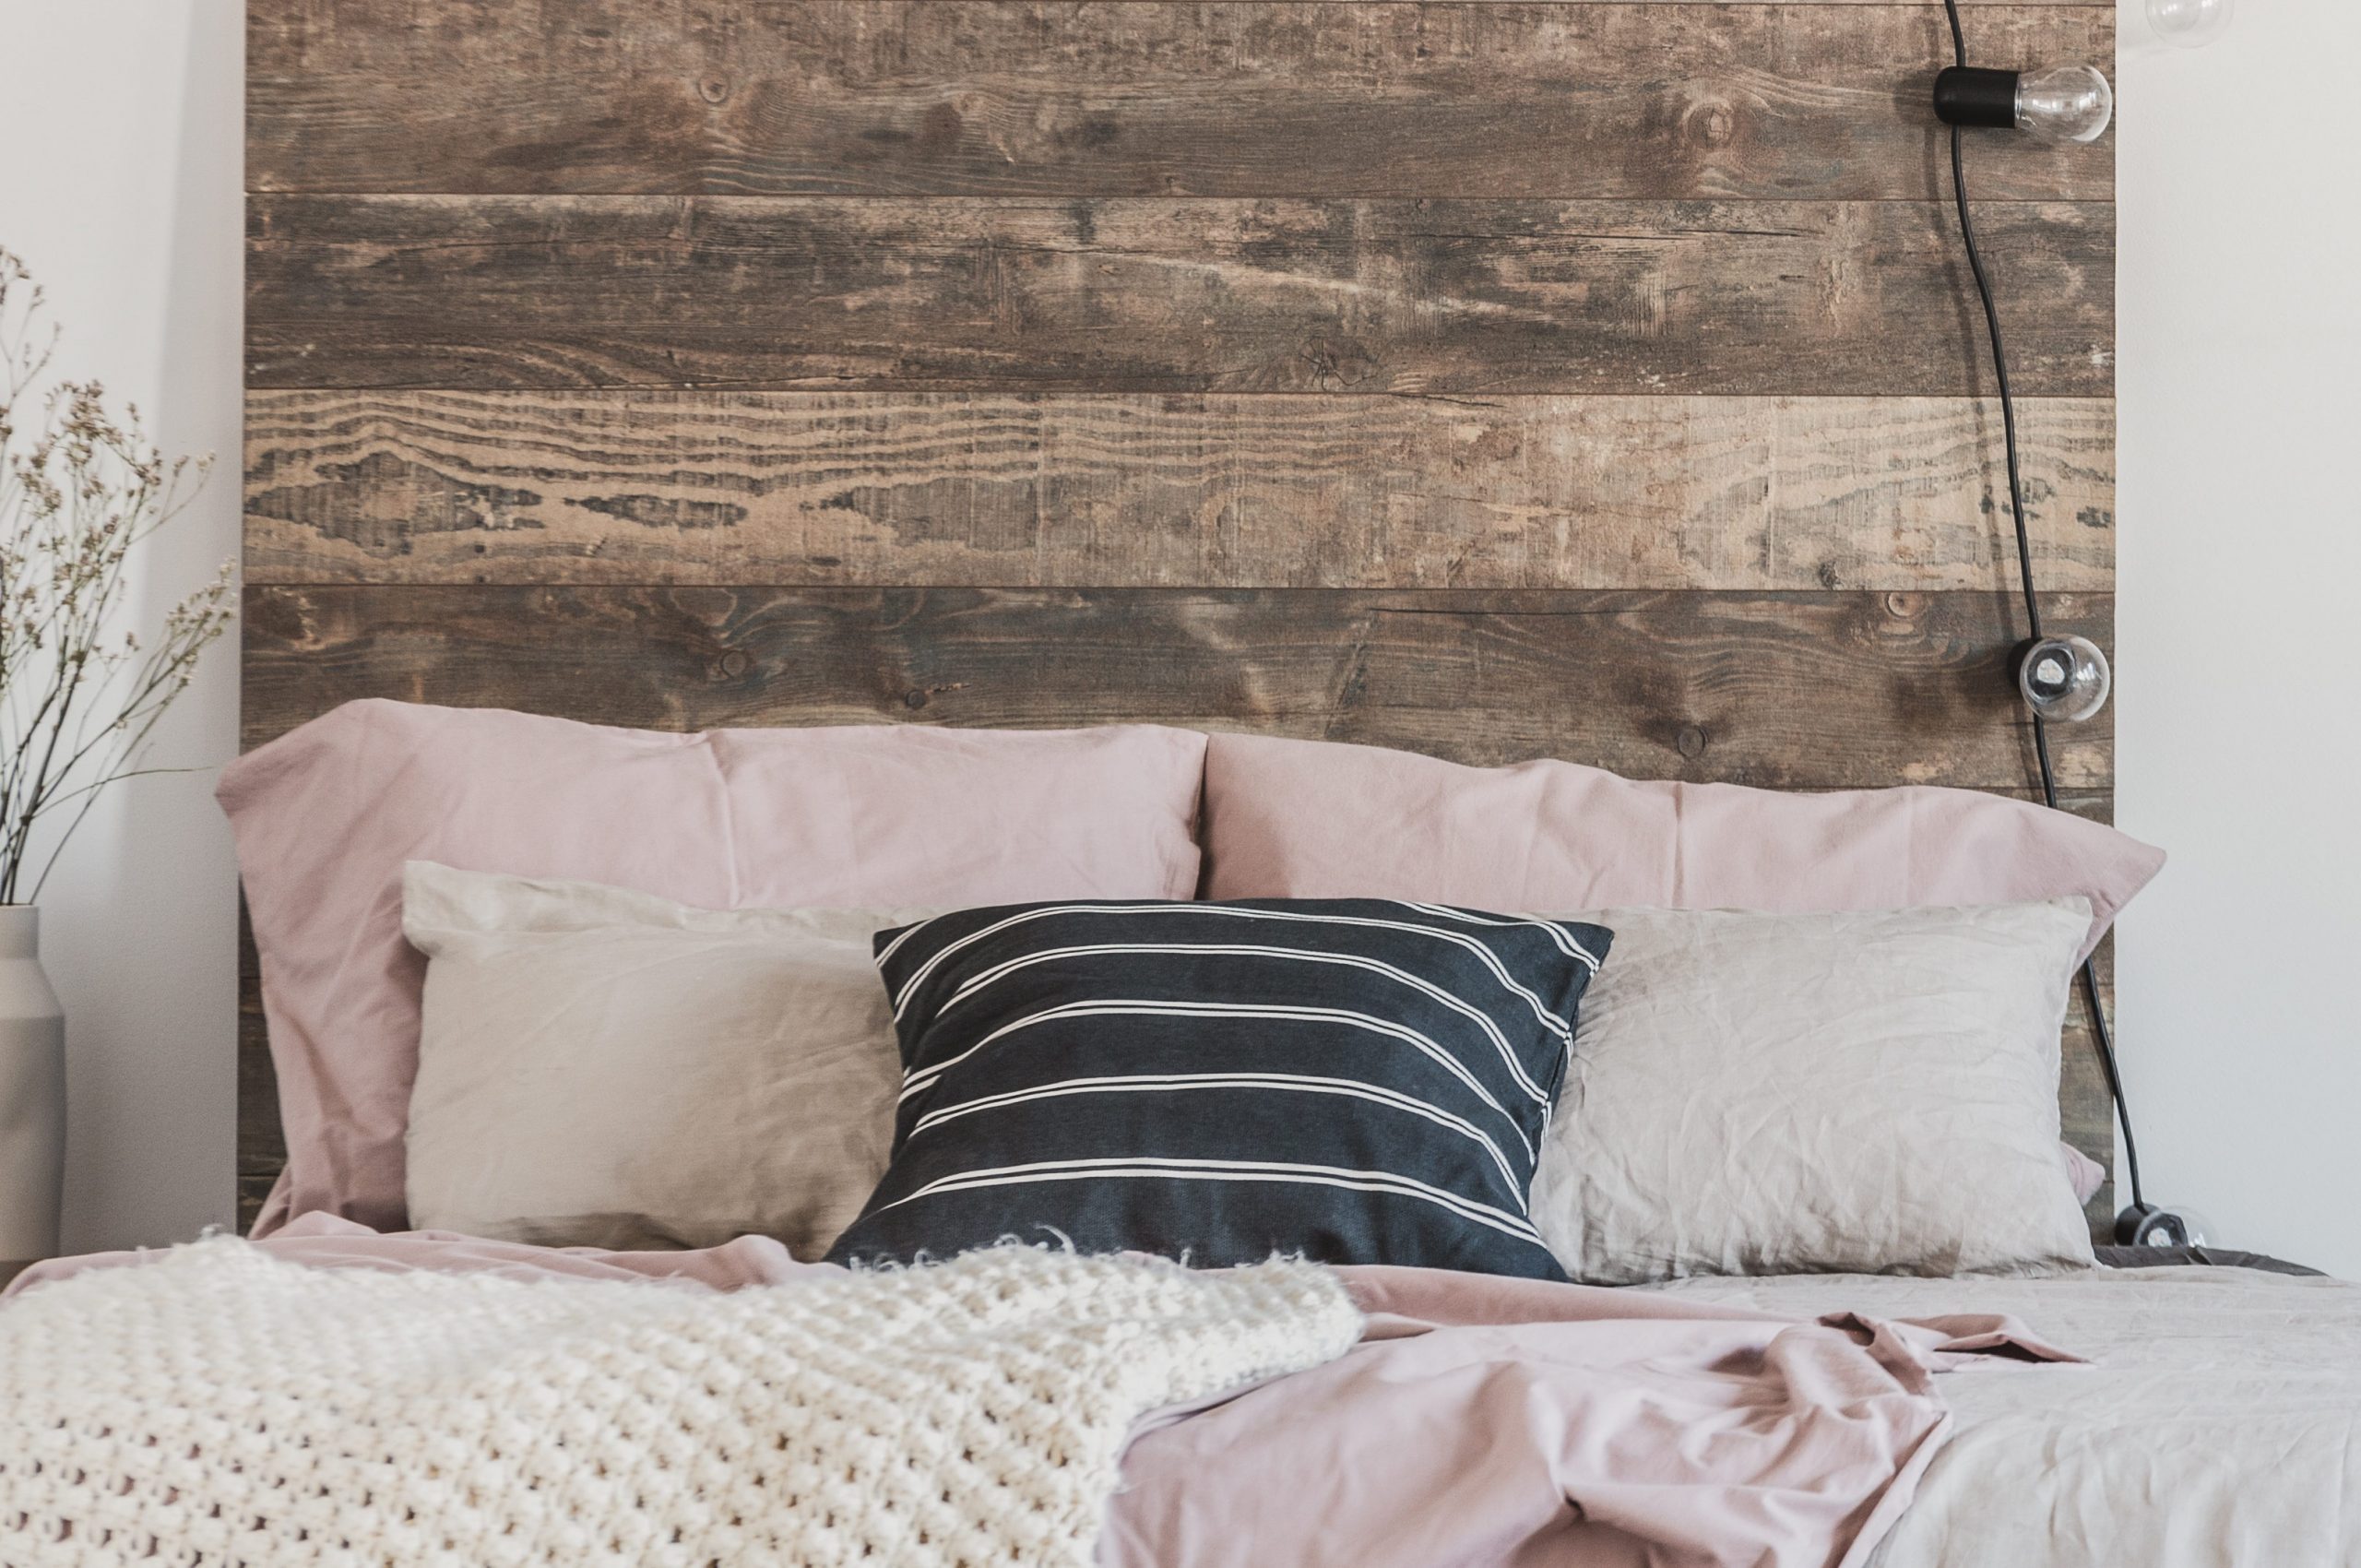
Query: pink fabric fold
x,y
1519,1424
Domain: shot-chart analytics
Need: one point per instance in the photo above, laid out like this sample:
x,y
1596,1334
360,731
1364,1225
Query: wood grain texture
x,y
1491,378
2086,1111
1411,297
262,1144
1180,491
1786,690
919,97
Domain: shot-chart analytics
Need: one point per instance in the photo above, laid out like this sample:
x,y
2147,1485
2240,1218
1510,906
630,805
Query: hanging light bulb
x,y
2191,24
2064,679
2150,1225
2065,103
2056,103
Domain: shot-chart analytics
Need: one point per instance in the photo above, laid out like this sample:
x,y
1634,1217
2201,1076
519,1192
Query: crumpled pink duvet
x,y
1481,1421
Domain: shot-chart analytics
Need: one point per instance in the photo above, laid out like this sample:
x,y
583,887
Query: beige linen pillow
x,y
603,1067
1860,1092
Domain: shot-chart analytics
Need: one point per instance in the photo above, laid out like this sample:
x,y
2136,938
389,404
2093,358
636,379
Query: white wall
x,y
2239,512
120,172
2240,718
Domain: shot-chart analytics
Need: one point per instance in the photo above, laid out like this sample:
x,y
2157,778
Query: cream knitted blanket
x,y
221,1407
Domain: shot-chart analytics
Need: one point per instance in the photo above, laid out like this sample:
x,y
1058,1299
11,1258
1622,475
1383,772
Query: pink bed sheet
x,y
1480,1420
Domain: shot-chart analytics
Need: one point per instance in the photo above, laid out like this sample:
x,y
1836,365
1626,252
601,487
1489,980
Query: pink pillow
x,y
1310,819
2086,1175
847,817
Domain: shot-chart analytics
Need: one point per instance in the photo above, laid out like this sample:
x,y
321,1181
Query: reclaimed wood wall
x,y
1497,378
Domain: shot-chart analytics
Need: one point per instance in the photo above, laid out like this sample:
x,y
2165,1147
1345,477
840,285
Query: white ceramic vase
x,y
32,1093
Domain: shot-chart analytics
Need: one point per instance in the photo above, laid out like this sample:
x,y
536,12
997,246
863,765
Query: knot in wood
x,y
1712,123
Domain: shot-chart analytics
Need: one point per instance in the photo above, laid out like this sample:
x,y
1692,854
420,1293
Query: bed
x,y
792,412
574,1027
2209,1422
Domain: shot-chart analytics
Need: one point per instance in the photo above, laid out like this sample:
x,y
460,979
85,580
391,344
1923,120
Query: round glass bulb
x,y
2177,1226
2065,679
2191,24
2065,103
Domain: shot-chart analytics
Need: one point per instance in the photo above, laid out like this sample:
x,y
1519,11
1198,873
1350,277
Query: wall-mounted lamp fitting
x,y
2063,679
2056,103
2146,1224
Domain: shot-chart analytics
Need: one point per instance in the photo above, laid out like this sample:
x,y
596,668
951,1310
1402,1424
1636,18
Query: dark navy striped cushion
x,y
1353,1080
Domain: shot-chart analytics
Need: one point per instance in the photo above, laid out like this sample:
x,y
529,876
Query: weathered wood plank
x,y
1745,5
1177,491
2086,1111
262,1143
1793,691
1073,394
2090,1113
925,97
1430,297
1740,4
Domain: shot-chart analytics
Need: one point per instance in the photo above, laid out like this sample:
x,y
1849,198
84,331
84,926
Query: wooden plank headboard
x,y
1594,379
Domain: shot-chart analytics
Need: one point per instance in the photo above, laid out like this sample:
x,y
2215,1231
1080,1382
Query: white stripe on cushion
x,y
1550,1020
1142,1168
1483,1020
923,1078
1286,1082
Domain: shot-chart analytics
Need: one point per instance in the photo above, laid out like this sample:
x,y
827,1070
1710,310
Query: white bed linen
x,y
2213,1425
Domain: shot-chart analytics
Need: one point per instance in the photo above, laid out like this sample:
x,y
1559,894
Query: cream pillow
x,y
1864,1092
603,1067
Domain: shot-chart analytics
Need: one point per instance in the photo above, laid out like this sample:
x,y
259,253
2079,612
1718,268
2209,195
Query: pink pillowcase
x,y
844,817
2085,1175
1310,819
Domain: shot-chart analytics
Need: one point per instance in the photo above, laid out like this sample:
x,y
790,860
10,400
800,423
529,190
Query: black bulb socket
x,y
1970,95
2033,683
2146,1224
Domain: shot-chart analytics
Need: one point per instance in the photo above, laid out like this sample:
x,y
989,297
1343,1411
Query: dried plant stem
x,y
80,488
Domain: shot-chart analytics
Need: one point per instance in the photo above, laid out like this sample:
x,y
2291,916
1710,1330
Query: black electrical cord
x,y
2033,604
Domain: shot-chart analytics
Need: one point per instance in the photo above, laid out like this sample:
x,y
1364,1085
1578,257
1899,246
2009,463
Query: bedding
x,y
602,1067
1482,1418
1353,1081
225,1405
1479,1420
1316,819
2086,1175
862,817
1857,1091
2215,1425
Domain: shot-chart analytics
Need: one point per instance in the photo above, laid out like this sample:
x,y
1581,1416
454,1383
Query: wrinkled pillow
x,y
856,817
603,1068
1869,1092
1313,819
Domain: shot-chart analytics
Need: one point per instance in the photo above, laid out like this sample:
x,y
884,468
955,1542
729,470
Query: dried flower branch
x,y
79,697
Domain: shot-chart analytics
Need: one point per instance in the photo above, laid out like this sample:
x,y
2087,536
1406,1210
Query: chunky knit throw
x,y
224,1407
